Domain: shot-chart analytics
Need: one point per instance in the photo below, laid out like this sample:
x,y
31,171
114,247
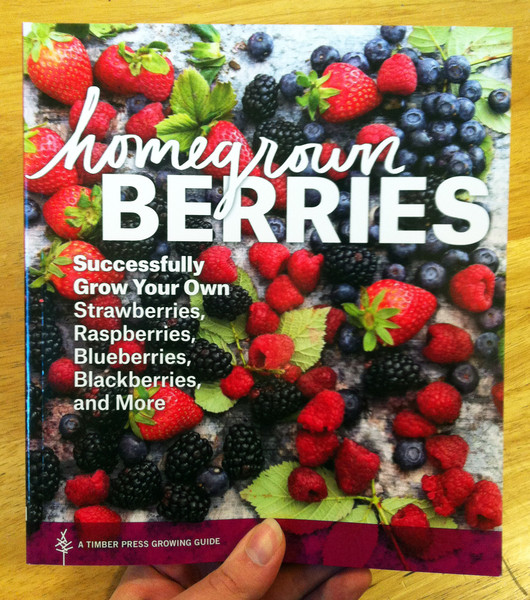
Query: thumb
x,y
249,571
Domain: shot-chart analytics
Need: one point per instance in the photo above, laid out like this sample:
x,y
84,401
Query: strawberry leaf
x,y
109,30
190,95
180,127
211,399
206,32
369,341
221,102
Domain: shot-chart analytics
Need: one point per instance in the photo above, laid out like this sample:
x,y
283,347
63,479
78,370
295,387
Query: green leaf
x,y
363,513
206,32
244,280
478,43
181,128
221,102
220,328
210,74
211,399
369,341
384,335
302,79
270,497
79,30
489,84
489,151
155,63
109,30
386,313
495,121
240,327
428,39
306,327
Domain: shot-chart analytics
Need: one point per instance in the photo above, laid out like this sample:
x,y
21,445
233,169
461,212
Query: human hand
x,y
252,571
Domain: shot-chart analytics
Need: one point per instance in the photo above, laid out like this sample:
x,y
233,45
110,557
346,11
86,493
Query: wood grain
x,y
40,582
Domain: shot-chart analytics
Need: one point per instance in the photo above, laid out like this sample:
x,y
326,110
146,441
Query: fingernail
x,y
264,542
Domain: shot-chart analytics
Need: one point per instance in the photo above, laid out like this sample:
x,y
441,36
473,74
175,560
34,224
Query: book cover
x,y
265,277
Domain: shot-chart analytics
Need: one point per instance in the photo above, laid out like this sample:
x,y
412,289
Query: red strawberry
x,y
73,212
58,64
282,295
374,134
40,146
268,258
397,75
315,449
61,376
86,490
113,73
218,265
280,187
304,269
102,313
97,524
447,344
157,85
325,412
99,123
144,122
355,467
472,289
86,178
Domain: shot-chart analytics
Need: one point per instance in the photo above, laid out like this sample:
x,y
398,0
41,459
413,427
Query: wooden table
x,y
41,582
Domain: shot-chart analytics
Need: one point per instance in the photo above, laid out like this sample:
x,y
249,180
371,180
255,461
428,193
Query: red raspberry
x,y
85,490
90,179
449,490
292,373
447,451
261,319
412,529
246,227
397,75
412,425
143,123
61,376
270,351
315,449
99,123
355,467
316,380
306,485
497,393
447,344
237,384
268,258
439,402
282,295
484,506
304,269
128,356
323,159
104,308
218,265
280,187
375,134
325,412
97,523
334,321
472,289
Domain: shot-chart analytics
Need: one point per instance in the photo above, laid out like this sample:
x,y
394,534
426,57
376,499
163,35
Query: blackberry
x,y
184,503
34,408
41,304
194,248
344,263
260,99
243,454
111,420
44,474
136,487
286,134
96,451
45,342
208,362
432,215
167,290
392,373
228,307
187,456
274,399
33,516
128,249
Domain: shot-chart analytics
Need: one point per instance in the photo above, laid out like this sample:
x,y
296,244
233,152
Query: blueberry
x,y
411,53
472,132
499,293
487,345
431,276
214,195
162,249
312,197
443,157
442,132
394,271
500,101
324,56
132,449
478,159
377,51
357,59
344,292
426,164
349,340
455,260
420,139
71,426
406,158
354,405
490,319
465,109
445,106
470,89
135,104
393,33
402,252
314,133
400,134
429,71
315,242
214,480
260,45
160,184
343,207
344,231
485,256
428,104
457,69
289,88
464,377
31,211
373,234
433,246
278,227
410,454
412,119
460,164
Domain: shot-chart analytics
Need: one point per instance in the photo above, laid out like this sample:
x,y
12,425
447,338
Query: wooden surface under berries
x,y
19,581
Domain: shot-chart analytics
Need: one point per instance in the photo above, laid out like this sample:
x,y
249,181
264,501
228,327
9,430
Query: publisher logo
x,y
63,545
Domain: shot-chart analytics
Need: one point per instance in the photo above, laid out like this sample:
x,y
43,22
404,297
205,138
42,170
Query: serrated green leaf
x,y
109,30
215,338
245,281
221,102
364,513
181,128
495,121
211,399
270,497
489,84
306,327
217,327
240,327
478,43
190,95
428,39
488,148
206,32
202,50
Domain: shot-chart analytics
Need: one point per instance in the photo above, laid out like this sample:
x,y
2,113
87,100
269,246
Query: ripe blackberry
x,y
41,304
392,373
111,420
34,408
184,503
194,248
45,342
136,487
285,133
96,451
344,263
208,362
44,474
128,249
260,99
432,215
243,454
228,307
33,516
187,456
274,399
167,290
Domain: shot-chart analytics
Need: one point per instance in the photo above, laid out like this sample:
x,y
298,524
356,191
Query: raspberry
x,y
439,402
104,307
411,527
268,258
86,178
99,122
315,449
325,412
270,351
97,523
325,155
218,265
246,227
484,506
304,268
61,376
291,373
497,393
472,289
128,356
143,123
282,295
306,485
411,425
316,380
238,383
355,467
334,320
447,451
447,344
449,490
85,490
261,319
274,399
397,75
374,134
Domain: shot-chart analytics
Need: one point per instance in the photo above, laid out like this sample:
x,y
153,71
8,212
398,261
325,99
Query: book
x,y
265,277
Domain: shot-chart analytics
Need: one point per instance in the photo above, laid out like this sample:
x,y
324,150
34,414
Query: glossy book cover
x,y
265,277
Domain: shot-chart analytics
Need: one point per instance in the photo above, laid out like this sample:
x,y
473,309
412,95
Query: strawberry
x,y
40,146
58,64
304,269
472,289
97,523
73,212
102,311
99,123
144,122
280,187
343,93
397,75
86,178
113,73
329,149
